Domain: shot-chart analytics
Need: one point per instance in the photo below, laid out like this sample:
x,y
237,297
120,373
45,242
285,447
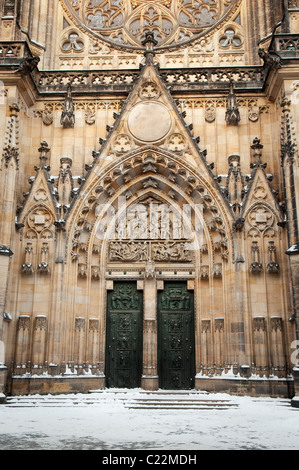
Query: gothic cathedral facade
x,y
149,196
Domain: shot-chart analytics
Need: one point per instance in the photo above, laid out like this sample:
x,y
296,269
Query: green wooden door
x,y
176,350
124,336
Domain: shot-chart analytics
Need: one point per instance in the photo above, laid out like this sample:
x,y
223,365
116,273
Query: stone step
x,y
177,407
180,399
160,399
52,400
180,406
179,403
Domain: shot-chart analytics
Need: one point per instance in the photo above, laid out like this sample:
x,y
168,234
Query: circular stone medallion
x,y
149,121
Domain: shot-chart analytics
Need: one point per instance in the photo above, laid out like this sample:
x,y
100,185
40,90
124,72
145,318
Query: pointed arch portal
x,y
148,221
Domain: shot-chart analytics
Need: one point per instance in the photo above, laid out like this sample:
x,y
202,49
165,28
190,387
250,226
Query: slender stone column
x,y
206,345
149,379
56,335
219,345
8,178
23,340
79,340
277,347
39,340
93,344
5,254
293,253
260,345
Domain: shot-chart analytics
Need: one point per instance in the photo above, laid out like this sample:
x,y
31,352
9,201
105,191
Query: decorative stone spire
x,y
64,185
235,183
44,149
288,136
149,43
11,143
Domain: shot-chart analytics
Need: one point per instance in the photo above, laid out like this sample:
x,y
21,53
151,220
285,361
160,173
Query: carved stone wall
x,y
153,158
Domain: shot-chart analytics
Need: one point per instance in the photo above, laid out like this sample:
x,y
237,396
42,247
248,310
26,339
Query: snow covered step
x,y
175,403
131,399
51,400
26,403
178,400
177,407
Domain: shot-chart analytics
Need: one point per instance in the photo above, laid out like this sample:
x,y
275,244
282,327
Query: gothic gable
x,y
150,119
263,219
261,199
39,213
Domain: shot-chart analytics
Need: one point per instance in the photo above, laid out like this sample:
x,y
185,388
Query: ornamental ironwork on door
x,y
176,350
124,336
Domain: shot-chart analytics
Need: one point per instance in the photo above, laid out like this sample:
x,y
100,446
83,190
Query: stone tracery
x,y
173,22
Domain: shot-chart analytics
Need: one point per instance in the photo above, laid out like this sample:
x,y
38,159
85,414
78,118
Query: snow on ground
x,y
104,421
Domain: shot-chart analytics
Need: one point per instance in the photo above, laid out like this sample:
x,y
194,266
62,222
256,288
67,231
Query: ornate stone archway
x,y
149,217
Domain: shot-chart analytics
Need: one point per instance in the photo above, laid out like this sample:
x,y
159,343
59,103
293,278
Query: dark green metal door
x,y
124,336
176,350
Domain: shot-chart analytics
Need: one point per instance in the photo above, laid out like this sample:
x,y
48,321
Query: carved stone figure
x,y
68,116
232,115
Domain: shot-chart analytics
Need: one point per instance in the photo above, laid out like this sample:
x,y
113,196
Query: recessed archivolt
x,y
134,178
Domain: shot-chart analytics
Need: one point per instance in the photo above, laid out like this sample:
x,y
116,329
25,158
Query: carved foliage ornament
x,y
173,22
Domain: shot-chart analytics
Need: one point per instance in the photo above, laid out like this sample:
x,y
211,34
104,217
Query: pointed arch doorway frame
x,y
151,175
141,268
